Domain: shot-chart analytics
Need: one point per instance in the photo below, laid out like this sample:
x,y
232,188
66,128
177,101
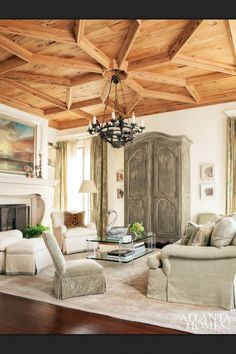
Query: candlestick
x,y
133,118
40,167
142,125
113,115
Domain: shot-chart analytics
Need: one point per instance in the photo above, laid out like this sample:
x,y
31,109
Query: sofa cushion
x,y
203,235
72,220
190,233
80,231
223,232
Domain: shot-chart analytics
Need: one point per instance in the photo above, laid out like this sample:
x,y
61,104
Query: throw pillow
x,y
72,220
223,232
203,235
189,233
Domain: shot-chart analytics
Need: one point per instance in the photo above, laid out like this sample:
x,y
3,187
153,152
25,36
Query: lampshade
x,y
88,186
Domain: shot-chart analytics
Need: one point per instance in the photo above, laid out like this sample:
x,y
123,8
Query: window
x,y
78,170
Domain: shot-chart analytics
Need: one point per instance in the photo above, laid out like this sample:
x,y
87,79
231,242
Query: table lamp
x,y
88,186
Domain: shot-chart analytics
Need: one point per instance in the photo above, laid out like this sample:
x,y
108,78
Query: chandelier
x,y
118,130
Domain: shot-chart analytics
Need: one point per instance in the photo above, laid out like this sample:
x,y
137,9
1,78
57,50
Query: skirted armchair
x,y
74,277
195,275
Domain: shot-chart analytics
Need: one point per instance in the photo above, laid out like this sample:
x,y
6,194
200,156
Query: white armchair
x,y
71,240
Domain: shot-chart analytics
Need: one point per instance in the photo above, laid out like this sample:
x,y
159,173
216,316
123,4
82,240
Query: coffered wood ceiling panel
x,y
59,69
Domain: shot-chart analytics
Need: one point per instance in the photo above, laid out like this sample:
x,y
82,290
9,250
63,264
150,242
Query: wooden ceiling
x,y
59,69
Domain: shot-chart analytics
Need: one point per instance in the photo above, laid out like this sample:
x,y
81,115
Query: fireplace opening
x,y
14,216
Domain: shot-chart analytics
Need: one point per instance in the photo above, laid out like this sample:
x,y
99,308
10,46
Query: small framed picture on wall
x,y
207,171
120,176
120,193
207,190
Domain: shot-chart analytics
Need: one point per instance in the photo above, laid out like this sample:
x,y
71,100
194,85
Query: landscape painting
x,y
17,145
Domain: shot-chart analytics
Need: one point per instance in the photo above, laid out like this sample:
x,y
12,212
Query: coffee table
x,y
148,239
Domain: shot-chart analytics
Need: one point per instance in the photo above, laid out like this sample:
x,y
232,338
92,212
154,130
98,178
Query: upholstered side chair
x,y
71,240
75,277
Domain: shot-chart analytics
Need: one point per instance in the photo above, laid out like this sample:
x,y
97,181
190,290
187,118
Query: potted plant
x,y
35,231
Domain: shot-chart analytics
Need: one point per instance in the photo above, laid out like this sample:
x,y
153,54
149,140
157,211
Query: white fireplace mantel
x,y
18,189
28,181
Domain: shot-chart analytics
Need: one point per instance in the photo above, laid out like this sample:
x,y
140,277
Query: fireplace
x,y
14,216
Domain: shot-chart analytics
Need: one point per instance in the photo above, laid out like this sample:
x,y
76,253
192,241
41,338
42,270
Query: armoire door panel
x,y
165,170
137,172
165,218
137,181
136,212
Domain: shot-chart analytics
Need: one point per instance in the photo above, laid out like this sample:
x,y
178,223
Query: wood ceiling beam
x,y
193,92
205,64
135,86
86,103
31,30
73,123
52,111
34,92
105,91
184,37
168,96
95,52
84,79
74,106
69,97
11,64
149,62
128,42
202,79
14,48
54,124
82,114
231,27
153,77
39,78
11,101
79,30
82,66
136,99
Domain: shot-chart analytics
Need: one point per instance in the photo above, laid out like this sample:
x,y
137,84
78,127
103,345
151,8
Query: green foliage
x,y
137,227
35,231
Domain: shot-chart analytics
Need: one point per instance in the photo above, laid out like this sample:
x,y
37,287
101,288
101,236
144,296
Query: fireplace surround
x,y
14,216
35,193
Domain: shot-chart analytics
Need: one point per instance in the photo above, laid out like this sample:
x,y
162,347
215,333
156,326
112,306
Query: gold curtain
x,y
231,166
99,201
60,194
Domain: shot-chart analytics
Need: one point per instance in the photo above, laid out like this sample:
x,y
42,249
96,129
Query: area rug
x,y
125,298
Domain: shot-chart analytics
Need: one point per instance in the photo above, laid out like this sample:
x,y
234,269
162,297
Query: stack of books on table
x,y
120,238
138,248
123,255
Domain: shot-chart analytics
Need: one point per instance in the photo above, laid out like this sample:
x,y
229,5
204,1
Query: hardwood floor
x,y
25,316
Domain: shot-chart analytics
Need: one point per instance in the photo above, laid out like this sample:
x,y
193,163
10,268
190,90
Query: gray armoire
x,y
157,184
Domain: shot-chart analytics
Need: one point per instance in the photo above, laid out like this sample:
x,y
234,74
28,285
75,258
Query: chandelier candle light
x,y
117,131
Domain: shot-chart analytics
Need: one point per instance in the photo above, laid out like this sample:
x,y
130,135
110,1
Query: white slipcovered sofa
x,y
201,275
71,240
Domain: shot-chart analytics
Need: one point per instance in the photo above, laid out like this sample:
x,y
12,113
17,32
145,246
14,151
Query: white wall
x,y
206,127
